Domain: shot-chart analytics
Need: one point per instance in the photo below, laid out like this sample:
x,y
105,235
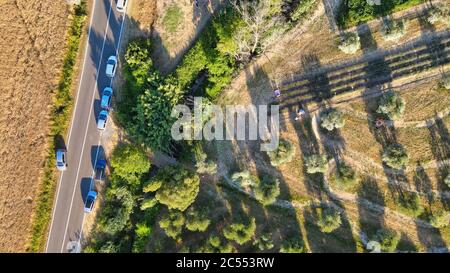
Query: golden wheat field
x,y
32,43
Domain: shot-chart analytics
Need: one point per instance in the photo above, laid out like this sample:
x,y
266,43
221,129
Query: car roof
x,y
105,100
92,194
112,58
59,154
109,69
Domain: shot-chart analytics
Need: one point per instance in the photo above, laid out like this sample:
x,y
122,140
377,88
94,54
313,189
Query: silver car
x,y
111,66
61,163
102,119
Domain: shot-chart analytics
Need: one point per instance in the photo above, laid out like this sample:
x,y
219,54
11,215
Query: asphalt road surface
x,y
84,139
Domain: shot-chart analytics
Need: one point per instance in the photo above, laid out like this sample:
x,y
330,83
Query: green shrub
x,y
179,187
285,152
409,204
267,190
293,245
391,105
172,223
203,165
109,247
393,30
215,244
316,164
388,239
332,119
440,219
264,242
149,203
173,18
197,220
129,162
328,219
395,156
345,177
241,231
349,43
141,235
152,185
303,8
447,180
244,179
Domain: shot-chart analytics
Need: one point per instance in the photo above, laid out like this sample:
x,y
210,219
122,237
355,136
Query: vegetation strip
x,y
59,120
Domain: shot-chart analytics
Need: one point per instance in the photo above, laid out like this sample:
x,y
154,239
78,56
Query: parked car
x,y
111,66
106,98
61,163
100,167
90,201
102,119
121,5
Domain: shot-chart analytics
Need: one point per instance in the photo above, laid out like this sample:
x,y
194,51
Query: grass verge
x,y
59,120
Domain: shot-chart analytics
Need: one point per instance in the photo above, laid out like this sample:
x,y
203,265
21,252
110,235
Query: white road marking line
x,y
87,127
72,121
99,142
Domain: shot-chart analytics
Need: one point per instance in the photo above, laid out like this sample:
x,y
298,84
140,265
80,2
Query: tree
x,y
152,185
293,245
439,13
264,242
316,164
142,233
179,187
260,27
350,43
241,231
393,30
117,212
149,203
203,165
244,179
285,152
345,177
109,247
197,220
328,219
395,156
216,244
129,162
440,219
333,119
388,239
409,204
447,180
391,105
172,223
267,190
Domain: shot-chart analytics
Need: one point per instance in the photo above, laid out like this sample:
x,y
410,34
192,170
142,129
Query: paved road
x,y
83,142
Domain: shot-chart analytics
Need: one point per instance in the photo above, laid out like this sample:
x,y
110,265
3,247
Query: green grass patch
x,y
173,18
59,120
355,12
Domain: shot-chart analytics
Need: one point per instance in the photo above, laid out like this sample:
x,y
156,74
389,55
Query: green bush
x,y
293,245
409,204
241,231
332,119
316,164
129,162
388,239
395,156
391,105
197,220
303,8
172,223
203,165
447,180
393,30
109,247
141,235
345,177
440,219
149,203
264,242
267,190
244,179
328,219
152,185
179,187
285,152
215,244
349,43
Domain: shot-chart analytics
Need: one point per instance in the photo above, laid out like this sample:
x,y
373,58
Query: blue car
x,y
90,201
102,119
106,98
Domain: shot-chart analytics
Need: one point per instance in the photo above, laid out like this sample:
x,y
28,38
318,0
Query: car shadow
x,y
97,152
85,187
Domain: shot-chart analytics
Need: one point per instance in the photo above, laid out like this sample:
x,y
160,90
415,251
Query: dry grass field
x,y
32,43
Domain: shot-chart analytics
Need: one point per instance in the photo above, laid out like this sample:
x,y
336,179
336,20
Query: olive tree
x,y
285,152
216,244
391,105
332,119
328,219
293,245
316,164
395,156
349,43
440,219
197,220
393,30
267,190
179,187
240,231
345,177
264,242
388,239
244,179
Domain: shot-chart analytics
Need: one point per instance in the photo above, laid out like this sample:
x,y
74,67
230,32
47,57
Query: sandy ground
x,y
32,41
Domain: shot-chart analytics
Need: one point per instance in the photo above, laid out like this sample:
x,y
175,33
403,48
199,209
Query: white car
x,y
102,119
61,163
111,66
121,5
